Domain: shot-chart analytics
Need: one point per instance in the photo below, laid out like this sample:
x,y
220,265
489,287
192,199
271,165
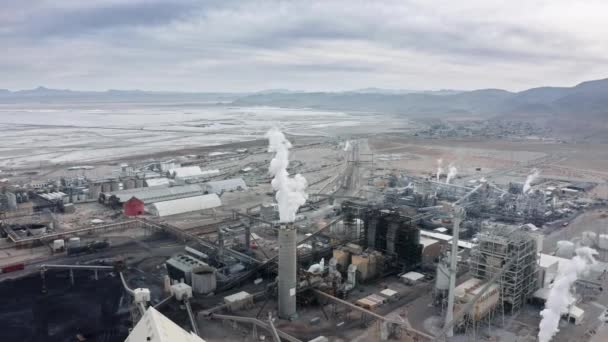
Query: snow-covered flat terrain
x,y
64,133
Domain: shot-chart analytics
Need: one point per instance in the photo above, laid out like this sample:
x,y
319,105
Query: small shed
x,y
576,315
411,278
133,207
389,294
238,300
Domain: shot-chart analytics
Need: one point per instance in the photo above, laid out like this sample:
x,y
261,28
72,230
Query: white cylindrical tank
x,y
74,242
565,249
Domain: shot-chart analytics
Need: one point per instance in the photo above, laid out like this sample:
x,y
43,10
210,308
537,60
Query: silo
x,y
94,190
106,187
114,186
128,183
287,271
204,279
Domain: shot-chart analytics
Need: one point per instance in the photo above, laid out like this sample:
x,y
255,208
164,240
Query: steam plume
x,y
531,178
439,168
347,145
290,191
559,295
452,172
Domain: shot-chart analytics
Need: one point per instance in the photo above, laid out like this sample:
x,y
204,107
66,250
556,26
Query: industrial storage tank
x,y
565,249
74,242
204,280
35,229
114,186
128,184
139,183
106,187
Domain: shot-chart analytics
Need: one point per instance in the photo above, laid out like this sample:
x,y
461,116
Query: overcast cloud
x,y
226,45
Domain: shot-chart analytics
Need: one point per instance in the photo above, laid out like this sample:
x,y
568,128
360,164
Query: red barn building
x,y
133,207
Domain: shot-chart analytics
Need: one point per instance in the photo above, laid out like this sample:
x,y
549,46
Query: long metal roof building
x,y
225,185
186,172
156,194
185,205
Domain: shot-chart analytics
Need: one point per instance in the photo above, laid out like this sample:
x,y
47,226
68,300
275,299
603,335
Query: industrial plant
x,y
319,241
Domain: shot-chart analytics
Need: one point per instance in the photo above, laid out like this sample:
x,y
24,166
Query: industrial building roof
x,y
155,327
53,196
186,172
158,194
225,185
185,205
445,237
413,276
151,182
425,241
237,297
547,260
185,262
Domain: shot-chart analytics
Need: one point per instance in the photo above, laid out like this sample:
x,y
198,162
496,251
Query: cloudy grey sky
x,y
230,45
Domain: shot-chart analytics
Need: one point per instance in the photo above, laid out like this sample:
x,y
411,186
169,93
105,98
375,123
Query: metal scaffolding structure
x,y
506,246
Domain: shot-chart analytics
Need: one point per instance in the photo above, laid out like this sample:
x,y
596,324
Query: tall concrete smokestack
x,y
287,271
290,195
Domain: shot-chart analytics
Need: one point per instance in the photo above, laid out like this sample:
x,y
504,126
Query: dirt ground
x,y
419,156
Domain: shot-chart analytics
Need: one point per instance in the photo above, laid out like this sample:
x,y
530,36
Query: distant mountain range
x,y
584,106
590,97
47,95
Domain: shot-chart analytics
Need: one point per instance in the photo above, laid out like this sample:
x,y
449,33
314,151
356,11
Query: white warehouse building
x,y
185,205
217,187
186,172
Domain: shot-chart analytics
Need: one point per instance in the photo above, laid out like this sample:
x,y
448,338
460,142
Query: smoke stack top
x,y
439,168
453,171
531,178
291,192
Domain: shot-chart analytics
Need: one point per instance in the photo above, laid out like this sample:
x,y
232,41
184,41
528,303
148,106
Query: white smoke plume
x,y
559,295
439,168
347,145
291,192
531,178
452,172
